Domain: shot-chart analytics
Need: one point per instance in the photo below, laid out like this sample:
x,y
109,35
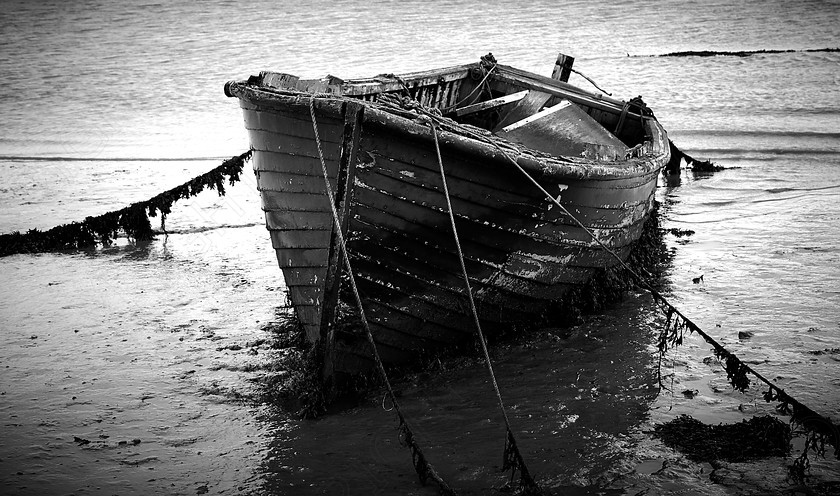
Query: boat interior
x,y
542,113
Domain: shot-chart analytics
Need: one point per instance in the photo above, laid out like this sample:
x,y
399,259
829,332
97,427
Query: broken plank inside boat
x,y
500,131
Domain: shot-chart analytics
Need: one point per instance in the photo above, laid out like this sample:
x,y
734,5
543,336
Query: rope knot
x,y
426,120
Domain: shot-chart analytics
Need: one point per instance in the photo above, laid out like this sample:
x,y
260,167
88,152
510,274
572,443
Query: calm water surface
x,y
132,369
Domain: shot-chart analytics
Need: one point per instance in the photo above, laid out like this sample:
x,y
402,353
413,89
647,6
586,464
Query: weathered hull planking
x,y
522,252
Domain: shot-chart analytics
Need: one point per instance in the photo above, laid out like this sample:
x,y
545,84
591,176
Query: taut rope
x,y
591,81
512,456
821,431
424,469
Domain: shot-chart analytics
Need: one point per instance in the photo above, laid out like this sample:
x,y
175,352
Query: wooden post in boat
x,y
563,68
343,195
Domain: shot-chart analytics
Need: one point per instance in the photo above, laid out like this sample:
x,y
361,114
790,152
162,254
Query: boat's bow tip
x,y
227,89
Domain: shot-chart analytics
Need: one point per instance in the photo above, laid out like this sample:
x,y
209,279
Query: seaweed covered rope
x,y
424,469
821,431
132,220
512,458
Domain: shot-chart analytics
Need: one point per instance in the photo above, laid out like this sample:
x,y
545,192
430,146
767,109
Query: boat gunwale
x,y
452,134
384,83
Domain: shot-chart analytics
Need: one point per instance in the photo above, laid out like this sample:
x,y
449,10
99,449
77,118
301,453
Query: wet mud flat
x,y
570,393
124,372
584,403
188,412
118,390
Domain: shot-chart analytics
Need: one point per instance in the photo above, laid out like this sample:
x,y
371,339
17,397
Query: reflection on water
x,y
574,397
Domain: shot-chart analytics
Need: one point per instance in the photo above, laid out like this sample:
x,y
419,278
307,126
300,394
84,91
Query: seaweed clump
x,y
296,387
678,156
649,256
755,438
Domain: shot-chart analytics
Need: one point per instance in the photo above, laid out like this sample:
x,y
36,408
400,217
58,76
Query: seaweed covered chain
x,y
133,220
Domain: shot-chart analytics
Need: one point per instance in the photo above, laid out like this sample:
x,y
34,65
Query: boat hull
x,y
523,253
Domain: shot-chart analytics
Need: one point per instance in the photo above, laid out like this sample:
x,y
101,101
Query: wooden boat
x,y
598,156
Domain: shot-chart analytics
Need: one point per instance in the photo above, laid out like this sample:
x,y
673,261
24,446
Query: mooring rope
x,y
584,76
132,220
422,466
512,456
820,430
480,85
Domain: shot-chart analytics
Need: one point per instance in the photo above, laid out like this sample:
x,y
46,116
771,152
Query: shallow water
x,y
105,103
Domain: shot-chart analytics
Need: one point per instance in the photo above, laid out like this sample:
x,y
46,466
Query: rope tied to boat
x,y
512,457
424,469
591,81
820,430
483,71
132,220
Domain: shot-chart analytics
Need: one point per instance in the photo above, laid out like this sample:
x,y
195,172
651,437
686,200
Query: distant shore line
x,y
741,53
